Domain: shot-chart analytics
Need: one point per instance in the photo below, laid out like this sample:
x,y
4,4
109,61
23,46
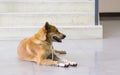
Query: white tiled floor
x,y
108,61
81,51
94,57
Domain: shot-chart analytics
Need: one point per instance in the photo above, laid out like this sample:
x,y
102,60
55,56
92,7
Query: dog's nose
x,y
63,36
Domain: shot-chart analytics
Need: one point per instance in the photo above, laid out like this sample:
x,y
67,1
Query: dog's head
x,y
50,33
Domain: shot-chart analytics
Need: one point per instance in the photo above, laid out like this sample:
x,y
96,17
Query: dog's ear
x,y
43,32
47,26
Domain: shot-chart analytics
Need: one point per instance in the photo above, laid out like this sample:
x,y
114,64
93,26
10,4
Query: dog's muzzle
x,y
63,36
59,39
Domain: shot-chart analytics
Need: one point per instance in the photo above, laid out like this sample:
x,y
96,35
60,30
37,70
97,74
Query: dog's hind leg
x,y
55,58
49,62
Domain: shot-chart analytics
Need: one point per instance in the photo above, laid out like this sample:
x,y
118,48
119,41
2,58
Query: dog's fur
x,y
38,48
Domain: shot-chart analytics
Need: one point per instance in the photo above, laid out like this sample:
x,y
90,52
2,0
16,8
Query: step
x,y
72,32
47,6
47,0
57,18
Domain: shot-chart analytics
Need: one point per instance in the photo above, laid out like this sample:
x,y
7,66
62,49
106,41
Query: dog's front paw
x,y
73,64
62,52
63,65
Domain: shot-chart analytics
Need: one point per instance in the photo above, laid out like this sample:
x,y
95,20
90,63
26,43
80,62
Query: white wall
x,y
109,5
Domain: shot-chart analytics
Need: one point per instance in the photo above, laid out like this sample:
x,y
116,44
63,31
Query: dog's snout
x,y
63,36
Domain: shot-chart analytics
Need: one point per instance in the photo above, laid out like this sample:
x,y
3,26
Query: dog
x,y
38,48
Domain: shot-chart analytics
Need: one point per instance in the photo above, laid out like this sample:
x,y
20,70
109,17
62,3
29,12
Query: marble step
x,y
56,18
47,0
72,32
48,6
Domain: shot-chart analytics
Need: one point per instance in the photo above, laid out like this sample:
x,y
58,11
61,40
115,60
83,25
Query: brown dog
x,y
38,48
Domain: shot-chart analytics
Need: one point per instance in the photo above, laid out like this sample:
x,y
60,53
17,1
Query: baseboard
x,y
110,14
72,32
